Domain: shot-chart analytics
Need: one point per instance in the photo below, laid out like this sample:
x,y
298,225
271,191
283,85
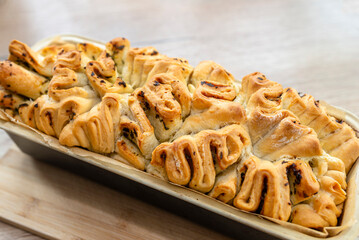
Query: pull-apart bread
x,y
249,143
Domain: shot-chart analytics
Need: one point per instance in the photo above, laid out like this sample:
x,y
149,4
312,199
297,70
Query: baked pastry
x,y
336,137
214,104
280,134
194,160
32,84
249,143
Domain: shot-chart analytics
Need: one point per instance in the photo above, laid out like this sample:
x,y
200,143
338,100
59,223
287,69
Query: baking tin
x,y
182,201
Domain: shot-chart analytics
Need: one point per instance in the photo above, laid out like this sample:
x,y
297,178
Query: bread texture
x,y
249,143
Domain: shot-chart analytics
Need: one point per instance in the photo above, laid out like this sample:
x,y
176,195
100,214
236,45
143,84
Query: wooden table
x,y
312,46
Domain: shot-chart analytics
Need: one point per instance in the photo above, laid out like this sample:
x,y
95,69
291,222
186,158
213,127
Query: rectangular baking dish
x,y
183,201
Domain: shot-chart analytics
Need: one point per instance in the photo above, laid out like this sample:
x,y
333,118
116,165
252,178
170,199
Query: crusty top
x,y
248,143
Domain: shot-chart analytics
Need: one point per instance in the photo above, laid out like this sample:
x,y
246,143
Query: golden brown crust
x,y
118,48
68,59
130,153
139,130
265,98
263,182
66,83
225,187
134,61
88,52
304,215
19,80
307,109
281,135
258,91
336,137
11,100
142,64
68,96
320,212
212,72
168,96
348,152
191,159
55,48
324,208
103,76
126,102
302,180
97,129
21,52
51,117
265,187
161,103
289,139
67,79
213,107
260,122
207,92
177,67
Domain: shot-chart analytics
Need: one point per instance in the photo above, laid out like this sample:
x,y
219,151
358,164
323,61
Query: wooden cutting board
x,y
56,204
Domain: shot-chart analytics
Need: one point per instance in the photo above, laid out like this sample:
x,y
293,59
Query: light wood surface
x,y
9,232
312,46
60,205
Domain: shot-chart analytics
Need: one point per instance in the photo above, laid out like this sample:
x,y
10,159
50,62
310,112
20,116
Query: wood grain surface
x,y
60,205
312,46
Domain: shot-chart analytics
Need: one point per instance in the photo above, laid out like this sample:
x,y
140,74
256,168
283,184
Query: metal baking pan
x,y
185,202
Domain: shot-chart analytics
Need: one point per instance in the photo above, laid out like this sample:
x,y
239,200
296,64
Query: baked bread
x,y
32,84
336,137
249,143
195,160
